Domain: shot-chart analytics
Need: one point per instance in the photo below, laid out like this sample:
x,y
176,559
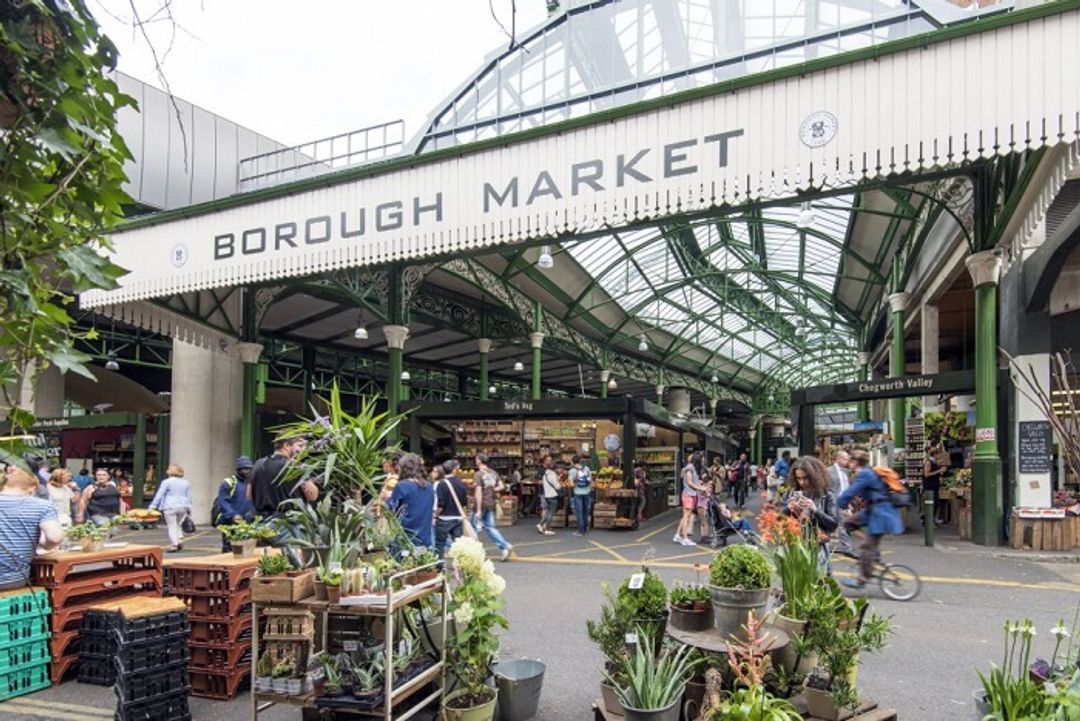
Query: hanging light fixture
x,y
612,385
545,262
806,216
714,379
492,390
111,364
361,332
519,366
405,377
644,344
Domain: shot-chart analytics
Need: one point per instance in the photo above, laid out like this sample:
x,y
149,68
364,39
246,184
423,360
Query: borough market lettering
x,y
684,157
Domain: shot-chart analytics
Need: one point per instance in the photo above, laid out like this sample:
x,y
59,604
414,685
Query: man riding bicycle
x,y
877,517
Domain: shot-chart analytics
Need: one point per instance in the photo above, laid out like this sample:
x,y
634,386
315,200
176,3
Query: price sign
x,y
631,639
637,581
350,646
334,566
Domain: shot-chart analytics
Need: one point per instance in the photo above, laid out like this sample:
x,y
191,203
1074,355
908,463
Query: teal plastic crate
x,y
24,605
21,655
24,630
23,681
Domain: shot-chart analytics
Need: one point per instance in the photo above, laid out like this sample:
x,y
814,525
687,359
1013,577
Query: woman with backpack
x,y
581,477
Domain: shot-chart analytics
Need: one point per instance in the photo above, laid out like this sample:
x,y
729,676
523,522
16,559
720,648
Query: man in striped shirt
x,y
25,522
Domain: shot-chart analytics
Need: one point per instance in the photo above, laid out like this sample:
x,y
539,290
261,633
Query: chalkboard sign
x,y
1034,447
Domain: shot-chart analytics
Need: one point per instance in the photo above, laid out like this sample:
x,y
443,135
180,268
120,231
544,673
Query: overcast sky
x,y
298,71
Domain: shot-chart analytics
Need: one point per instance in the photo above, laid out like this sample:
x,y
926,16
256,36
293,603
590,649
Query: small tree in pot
x,y
739,581
645,599
609,634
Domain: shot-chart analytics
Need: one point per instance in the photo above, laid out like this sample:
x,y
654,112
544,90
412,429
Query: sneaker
x,y
677,539
539,528
688,542
549,533
854,583
506,553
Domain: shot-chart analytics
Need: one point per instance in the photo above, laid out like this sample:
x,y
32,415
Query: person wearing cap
x,y
232,503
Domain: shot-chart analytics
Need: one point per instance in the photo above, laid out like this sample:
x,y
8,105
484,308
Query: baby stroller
x,y
724,527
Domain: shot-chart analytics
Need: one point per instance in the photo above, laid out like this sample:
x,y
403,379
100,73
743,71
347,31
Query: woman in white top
x,y
62,491
173,499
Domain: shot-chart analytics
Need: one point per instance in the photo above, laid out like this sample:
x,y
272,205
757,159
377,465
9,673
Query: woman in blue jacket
x,y
877,517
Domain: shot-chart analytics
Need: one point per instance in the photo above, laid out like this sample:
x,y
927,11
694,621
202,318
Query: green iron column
x,y
898,303
605,376
307,362
537,341
485,351
864,375
249,356
395,347
985,270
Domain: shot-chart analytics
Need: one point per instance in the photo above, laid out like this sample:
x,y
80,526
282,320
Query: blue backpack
x,y
584,477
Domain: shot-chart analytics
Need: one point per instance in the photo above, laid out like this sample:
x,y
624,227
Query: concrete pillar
x,y
49,393
898,303
537,342
204,429
485,351
929,349
986,500
679,401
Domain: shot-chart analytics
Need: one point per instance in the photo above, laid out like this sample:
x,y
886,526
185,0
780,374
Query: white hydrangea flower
x,y
496,584
463,614
467,554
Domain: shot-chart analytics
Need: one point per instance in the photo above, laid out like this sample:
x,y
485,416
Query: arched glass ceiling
x,y
604,53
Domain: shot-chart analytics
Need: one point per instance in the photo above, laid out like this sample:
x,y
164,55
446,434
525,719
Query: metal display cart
x,y
384,606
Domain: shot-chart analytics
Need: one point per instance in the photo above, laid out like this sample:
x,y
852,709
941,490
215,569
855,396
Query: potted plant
x,y
283,670
244,536
645,598
794,550
690,608
403,661
748,662
476,606
739,582
332,676
331,580
424,562
264,672
274,565
651,685
609,634
91,535
368,684
837,635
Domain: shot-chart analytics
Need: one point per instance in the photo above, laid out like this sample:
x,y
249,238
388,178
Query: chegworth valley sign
x,y
894,108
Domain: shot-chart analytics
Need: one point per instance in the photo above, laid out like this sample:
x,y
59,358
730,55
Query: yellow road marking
x,y
708,551
613,553
576,551
17,707
666,526
49,705
535,543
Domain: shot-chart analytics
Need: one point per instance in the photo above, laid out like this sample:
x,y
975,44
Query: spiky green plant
x,y
649,681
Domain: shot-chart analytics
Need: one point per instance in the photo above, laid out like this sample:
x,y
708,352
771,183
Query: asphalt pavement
x,y
555,583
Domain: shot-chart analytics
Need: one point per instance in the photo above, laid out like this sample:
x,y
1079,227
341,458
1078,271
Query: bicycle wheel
x,y
899,582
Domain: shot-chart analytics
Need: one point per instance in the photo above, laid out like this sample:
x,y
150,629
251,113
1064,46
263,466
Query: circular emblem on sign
x,y
612,442
178,255
818,129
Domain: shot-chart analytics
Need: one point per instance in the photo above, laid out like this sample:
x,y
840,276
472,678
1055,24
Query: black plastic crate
x,y
151,628
165,681
97,643
172,707
100,622
146,655
95,670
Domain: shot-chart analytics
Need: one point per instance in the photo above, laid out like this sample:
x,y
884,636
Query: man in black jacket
x,y
268,488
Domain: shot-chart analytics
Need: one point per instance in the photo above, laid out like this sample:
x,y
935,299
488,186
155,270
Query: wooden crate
x,y
963,522
283,589
1043,534
509,507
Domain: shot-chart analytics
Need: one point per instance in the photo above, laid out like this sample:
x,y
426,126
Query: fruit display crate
x,y
217,591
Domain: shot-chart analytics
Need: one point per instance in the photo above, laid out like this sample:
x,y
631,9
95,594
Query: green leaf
x,y
69,359
54,140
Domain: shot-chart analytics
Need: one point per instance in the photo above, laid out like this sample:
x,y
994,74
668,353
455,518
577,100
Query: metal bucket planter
x,y
519,683
690,619
732,607
821,704
982,704
671,713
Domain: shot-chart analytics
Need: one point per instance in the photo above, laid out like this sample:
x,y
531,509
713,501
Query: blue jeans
x,y
581,511
488,520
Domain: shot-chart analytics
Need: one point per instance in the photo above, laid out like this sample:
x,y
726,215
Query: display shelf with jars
x,y
661,464
499,440
561,439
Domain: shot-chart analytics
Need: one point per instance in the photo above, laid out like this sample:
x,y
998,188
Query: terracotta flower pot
x,y
320,591
333,594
